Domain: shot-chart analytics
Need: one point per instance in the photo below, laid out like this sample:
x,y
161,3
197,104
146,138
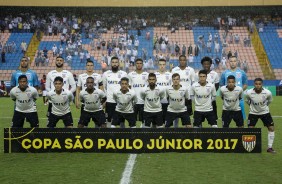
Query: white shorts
x,y
44,93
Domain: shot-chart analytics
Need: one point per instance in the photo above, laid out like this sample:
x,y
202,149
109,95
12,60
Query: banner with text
x,y
116,140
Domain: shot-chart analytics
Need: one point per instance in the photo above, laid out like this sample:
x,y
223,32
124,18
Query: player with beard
x,y
152,96
187,78
68,80
138,81
111,82
24,97
81,84
31,75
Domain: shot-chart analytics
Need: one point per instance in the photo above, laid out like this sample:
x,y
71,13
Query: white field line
x,y
128,169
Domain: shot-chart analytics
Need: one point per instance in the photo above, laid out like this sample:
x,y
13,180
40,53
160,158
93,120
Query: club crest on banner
x,y
249,142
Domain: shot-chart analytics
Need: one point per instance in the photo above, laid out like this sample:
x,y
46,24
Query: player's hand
x,y
104,105
77,105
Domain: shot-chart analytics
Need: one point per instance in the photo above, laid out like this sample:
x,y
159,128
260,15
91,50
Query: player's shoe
x,y
270,150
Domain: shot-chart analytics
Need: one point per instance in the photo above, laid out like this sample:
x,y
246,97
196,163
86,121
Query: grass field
x,y
148,169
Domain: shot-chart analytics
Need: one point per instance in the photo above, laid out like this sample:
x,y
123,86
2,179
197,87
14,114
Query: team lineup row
x,y
157,98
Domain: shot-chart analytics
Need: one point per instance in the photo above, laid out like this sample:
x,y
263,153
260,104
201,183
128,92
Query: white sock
x,y
160,126
113,126
108,124
133,127
270,139
214,126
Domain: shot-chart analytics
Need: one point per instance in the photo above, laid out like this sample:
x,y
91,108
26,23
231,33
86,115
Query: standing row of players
x,y
156,98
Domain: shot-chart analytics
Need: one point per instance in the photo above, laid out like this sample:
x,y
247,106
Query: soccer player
x,y
212,78
81,84
92,98
152,96
231,95
177,95
111,83
163,81
31,75
203,93
259,99
187,78
25,97
60,99
69,82
125,99
138,81
43,88
241,79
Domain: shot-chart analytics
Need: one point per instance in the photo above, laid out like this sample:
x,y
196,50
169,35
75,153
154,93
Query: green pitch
x,y
149,168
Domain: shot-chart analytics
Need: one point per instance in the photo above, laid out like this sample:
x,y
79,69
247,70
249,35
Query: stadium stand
x,y
271,38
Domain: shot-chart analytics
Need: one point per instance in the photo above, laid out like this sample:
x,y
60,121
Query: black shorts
x,y
164,108
214,108
200,117
98,118
227,117
19,117
121,117
153,118
265,118
139,110
110,110
81,112
188,104
53,120
171,116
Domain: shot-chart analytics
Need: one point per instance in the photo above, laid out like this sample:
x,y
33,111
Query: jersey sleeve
x,y
192,93
104,79
35,79
269,98
192,76
79,81
244,78
72,83
102,94
12,94
81,96
216,78
35,94
70,96
187,94
247,98
13,79
48,82
213,93
222,79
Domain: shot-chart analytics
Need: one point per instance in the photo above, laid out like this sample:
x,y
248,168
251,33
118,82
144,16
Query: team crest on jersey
x,y
249,142
28,76
64,98
119,76
63,75
181,94
187,73
238,75
28,95
263,97
208,90
143,77
167,77
156,93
